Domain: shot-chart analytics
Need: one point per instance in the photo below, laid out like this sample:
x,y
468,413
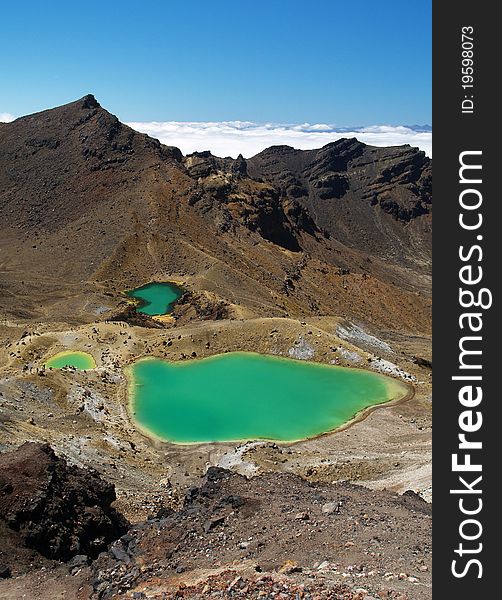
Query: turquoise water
x,y
247,396
79,360
156,298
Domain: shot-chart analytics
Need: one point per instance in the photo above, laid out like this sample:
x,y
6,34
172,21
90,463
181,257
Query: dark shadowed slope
x,y
378,200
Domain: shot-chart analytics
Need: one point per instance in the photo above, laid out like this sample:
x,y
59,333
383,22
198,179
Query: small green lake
x,y
79,360
247,396
156,298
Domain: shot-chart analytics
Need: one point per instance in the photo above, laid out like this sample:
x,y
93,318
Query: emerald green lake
x,y
79,360
247,396
156,298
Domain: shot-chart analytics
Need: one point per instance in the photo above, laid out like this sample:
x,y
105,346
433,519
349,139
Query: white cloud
x,y
6,117
230,138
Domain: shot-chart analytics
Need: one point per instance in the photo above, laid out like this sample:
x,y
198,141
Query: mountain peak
x,y
89,101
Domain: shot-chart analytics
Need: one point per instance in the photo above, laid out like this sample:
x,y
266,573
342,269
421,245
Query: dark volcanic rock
x,y
202,164
423,362
54,158
57,509
193,305
4,571
227,192
279,522
378,200
90,101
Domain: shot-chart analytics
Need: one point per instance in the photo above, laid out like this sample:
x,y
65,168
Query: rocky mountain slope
x,y
88,207
378,200
272,536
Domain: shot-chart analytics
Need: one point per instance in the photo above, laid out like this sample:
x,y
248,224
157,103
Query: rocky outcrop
x,y
54,508
273,532
275,524
378,200
203,164
360,195
225,191
200,306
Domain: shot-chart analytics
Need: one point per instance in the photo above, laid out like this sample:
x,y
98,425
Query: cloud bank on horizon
x,y
6,117
231,138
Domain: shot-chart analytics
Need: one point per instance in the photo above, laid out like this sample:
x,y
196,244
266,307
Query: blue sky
x,y
320,61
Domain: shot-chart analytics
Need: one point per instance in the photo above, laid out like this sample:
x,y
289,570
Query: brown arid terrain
x,y
318,255
274,536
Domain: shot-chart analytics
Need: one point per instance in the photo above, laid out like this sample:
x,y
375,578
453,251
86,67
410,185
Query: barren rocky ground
x,y
274,535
